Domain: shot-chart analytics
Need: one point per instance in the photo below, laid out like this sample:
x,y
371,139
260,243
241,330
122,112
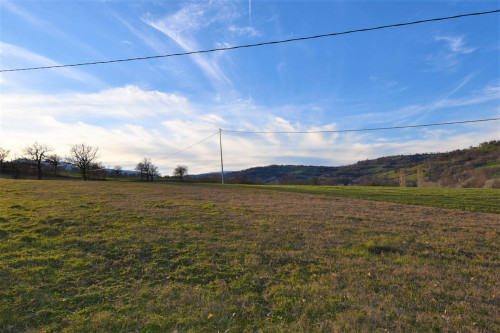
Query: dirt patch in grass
x,y
99,256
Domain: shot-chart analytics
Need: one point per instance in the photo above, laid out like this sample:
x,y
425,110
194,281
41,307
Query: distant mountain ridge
x,y
471,167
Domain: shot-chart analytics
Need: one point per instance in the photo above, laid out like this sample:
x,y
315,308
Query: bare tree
x,y
152,172
147,168
18,167
83,157
36,153
55,161
97,170
117,171
3,156
180,171
141,168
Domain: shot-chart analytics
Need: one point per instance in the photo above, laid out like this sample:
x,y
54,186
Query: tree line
x,y
39,160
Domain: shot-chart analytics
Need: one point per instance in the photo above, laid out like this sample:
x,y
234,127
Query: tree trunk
x,y
39,169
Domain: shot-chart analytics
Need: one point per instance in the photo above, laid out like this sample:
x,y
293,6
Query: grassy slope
x,y
119,257
469,199
455,168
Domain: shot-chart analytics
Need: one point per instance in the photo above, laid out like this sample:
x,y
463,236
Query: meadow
x,y
470,199
156,257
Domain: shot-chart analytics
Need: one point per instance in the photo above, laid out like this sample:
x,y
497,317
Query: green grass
x,y
490,165
156,257
468,199
374,169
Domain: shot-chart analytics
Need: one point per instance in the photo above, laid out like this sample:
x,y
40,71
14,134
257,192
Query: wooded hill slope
x,y
472,167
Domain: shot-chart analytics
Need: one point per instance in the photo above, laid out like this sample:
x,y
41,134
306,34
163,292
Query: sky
x,y
427,73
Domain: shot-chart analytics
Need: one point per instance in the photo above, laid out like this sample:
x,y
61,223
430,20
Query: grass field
x,y
470,199
151,257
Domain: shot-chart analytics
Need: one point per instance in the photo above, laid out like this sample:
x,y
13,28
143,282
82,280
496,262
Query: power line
x,y
325,131
312,132
256,44
177,152
363,129
191,146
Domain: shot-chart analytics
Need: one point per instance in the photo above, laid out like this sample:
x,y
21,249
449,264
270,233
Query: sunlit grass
x,y
151,257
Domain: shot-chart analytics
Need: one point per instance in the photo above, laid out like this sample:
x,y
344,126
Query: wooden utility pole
x,y
221,162
402,177
420,177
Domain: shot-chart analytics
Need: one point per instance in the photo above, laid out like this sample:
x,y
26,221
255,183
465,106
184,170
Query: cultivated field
x,y
142,257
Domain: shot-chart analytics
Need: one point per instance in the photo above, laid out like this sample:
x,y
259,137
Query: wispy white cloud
x,y
384,82
456,44
490,93
207,63
387,85
452,55
244,31
184,28
441,102
149,39
24,14
14,56
129,102
192,17
419,113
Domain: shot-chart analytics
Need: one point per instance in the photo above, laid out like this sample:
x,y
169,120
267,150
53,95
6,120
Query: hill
x,y
472,167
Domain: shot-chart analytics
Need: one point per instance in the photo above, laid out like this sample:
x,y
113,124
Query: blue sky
x,y
427,73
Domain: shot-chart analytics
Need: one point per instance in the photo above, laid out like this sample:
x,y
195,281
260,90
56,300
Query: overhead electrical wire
x,y
362,129
191,146
177,152
325,131
254,45
313,132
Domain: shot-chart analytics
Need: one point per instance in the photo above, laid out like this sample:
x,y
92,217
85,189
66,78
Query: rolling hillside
x,y
471,167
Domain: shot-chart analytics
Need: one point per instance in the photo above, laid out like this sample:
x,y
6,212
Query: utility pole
x,y
221,163
402,177
420,177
